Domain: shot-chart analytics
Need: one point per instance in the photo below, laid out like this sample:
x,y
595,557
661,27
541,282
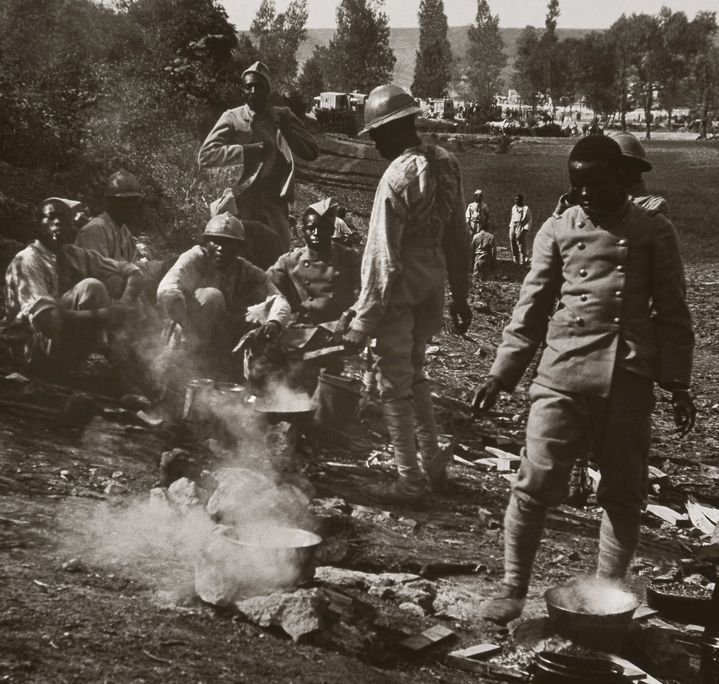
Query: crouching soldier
x,y
320,281
610,263
60,299
207,292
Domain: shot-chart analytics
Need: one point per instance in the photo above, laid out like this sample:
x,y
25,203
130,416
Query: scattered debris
x,y
469,658
74,565
430,637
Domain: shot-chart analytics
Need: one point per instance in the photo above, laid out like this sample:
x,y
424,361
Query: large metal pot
x,y
276,410
575,620
276,557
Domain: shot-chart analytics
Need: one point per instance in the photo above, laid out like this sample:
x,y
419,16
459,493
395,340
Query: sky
x,y
592,14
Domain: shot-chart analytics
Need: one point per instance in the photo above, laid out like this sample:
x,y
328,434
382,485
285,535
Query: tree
x,y
621,37
529,71
705,64
674,58
594,70
432,68
485,59
313,81
278,36
549,53
359,51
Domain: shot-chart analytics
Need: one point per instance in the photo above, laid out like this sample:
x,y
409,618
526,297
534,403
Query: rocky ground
x,y
71,611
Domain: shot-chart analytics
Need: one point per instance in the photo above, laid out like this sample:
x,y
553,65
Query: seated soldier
x,y
320,281
262,247
59,298
207,292
109,235
344,232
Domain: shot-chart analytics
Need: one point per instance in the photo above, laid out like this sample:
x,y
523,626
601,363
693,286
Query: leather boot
x,y
399,492
506,606
411,486
434,462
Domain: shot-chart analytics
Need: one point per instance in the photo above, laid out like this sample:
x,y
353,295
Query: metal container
x,y
709,670
197,396
557,668
686,609
601,630
276,557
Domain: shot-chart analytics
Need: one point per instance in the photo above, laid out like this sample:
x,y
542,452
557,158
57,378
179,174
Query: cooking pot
x,y
557,668
580,622
275,557
685,609
275,410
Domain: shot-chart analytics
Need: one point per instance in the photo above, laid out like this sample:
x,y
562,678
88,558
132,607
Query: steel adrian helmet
x,y
387,103
123,184
633,149
226,226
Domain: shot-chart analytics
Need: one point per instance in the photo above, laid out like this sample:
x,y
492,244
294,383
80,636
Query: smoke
x,y
144,539
595,596
237,534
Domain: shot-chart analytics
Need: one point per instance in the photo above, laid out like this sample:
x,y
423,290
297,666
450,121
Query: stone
x,y
115,489
412,608
184,494
453,601
74,565
420,593
218,577
297,613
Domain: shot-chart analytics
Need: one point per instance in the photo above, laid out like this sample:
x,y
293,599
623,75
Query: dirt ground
x,y
104,623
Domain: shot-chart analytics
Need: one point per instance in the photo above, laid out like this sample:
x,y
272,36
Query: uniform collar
x,y
309,254
617,215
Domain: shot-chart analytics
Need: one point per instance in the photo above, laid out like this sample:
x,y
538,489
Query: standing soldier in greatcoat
x,y
417,238
621,325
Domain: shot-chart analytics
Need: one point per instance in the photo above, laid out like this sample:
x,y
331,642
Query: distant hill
x,y
404,42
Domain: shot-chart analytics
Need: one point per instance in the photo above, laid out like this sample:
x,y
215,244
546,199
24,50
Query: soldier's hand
x,y
486,395
685,411
270,331
354,341
116,313
461,315
343,324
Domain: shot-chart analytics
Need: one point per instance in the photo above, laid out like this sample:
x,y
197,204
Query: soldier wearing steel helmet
x,y
207,292
417,238
108,234
634,164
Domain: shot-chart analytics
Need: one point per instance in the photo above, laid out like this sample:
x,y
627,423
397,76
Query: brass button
x,y
584,298
618,293
583,273
337,273
579,320
581,245
307,264
623,242
620,268
310,298
617,320
580,224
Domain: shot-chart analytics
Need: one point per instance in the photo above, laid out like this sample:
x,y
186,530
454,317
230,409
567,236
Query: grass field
x,y
686,173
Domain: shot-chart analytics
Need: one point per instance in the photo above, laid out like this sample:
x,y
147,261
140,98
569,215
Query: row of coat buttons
x,y
584,297
621,243
580,321
584,273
